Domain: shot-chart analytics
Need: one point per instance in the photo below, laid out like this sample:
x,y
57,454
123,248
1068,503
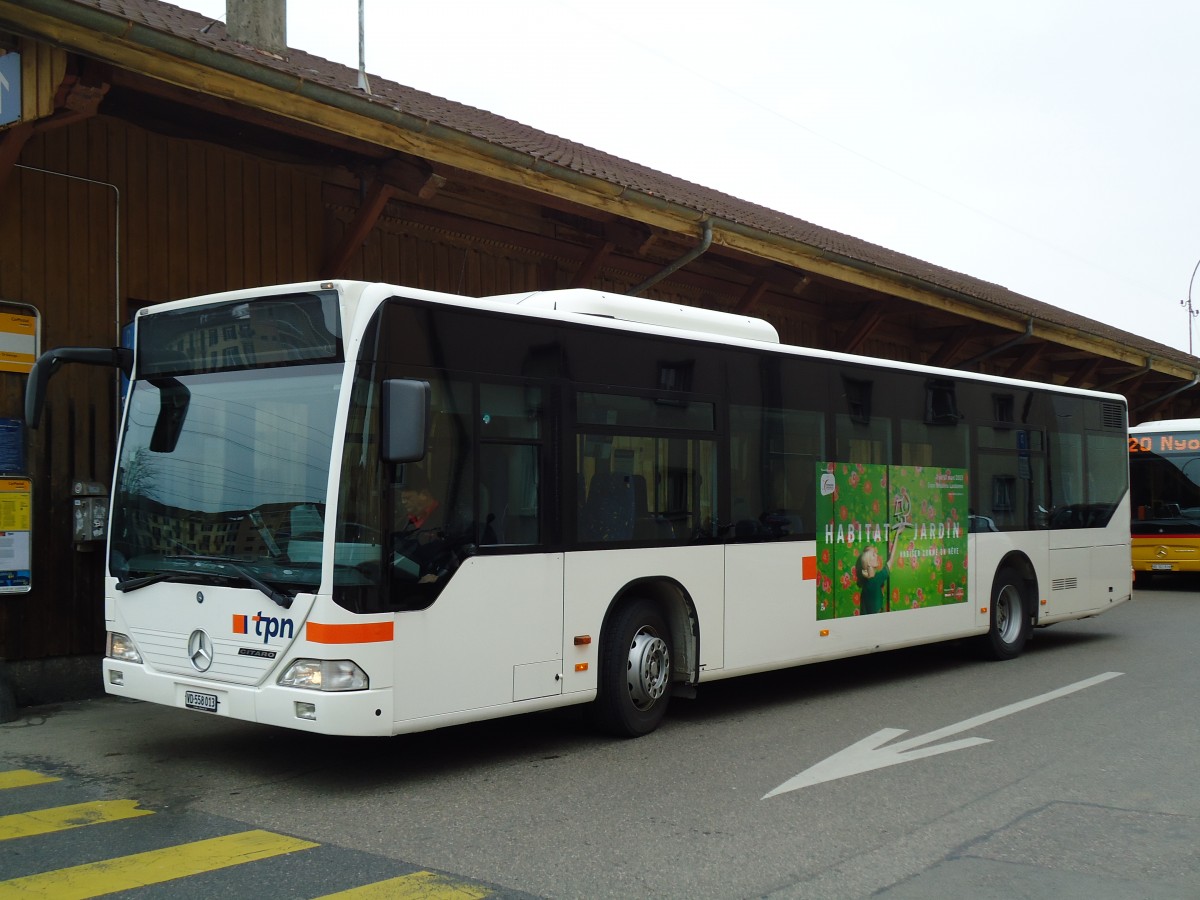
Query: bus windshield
x,y
1164,473
222,478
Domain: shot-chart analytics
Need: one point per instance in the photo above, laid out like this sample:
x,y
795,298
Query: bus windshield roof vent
x,y
646,312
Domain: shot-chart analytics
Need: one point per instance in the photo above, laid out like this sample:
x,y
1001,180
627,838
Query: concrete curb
x,y
38,682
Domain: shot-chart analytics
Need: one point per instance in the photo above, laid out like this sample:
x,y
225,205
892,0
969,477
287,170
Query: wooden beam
x,y
951,348
258,118
1086,375
866,324
368,215
749,300
416,178
1023,363
591,264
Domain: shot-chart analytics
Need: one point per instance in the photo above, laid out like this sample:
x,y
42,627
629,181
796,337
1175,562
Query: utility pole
x,y
1192,313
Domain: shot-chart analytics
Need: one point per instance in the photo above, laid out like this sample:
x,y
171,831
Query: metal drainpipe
x,y
1167,396
705,243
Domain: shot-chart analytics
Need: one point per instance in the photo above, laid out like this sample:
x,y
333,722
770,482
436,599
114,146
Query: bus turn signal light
x,y
582,640
581,667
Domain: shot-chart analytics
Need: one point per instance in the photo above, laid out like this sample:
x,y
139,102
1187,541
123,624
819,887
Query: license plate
x,y
201,701
1161,567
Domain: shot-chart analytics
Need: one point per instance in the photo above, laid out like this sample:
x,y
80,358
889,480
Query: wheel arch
x,y
675,604
1023,566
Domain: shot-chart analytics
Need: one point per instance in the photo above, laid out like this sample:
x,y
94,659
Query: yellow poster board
x,y
16,524
18,341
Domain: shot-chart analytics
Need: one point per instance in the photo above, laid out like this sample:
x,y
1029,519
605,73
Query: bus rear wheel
x,y
635,671
1010,625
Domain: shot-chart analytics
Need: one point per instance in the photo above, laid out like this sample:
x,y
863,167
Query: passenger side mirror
x,y
405,422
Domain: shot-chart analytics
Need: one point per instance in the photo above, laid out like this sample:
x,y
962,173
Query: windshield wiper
x,y
254,581
278,596
132,584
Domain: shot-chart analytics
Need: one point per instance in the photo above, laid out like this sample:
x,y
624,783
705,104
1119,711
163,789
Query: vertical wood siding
x,y
194,218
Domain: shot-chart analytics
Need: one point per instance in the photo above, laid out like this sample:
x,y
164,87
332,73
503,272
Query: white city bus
x,y
365,509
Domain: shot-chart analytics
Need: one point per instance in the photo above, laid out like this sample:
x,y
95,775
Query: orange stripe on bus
x,y
366,633
810,568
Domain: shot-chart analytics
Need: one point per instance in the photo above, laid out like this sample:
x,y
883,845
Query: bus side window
x,y
775,500
432,512
510,455
509,494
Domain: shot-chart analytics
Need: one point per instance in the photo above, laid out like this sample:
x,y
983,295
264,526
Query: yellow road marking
x,y
15,778
153,867
417,886
60,818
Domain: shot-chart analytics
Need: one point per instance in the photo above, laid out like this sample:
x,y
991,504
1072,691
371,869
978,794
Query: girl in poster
x,y
872,575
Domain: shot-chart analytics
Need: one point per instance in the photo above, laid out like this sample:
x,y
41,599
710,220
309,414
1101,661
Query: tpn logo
x,y
265,627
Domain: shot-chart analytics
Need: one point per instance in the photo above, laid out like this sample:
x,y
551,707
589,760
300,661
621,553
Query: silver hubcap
x,y
649,668
1008,613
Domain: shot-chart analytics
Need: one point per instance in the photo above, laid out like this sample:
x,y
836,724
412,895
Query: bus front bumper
x,y
323,712
1167,556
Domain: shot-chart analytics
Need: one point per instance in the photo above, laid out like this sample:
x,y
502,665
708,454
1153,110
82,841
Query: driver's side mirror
x,y
405,420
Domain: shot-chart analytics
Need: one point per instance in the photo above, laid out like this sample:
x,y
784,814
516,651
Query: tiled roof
x,y
515,136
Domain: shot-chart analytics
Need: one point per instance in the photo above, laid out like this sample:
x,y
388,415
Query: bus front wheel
x,y
635,671
1009,618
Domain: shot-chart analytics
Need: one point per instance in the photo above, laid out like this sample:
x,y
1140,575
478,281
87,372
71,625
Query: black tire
x,y
635,671
1010,617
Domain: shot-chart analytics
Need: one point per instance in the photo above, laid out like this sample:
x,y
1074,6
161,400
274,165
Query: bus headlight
x,y
325,675
122,648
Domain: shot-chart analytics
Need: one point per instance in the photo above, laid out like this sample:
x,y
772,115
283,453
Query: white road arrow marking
x,y
869,753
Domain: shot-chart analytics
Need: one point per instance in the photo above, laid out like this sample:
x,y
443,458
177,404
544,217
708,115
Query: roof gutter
x,y
129,32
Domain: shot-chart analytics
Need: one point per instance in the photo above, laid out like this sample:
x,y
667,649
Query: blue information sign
x,y
10,88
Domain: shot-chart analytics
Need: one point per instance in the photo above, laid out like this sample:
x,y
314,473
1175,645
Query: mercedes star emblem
x,y
200,650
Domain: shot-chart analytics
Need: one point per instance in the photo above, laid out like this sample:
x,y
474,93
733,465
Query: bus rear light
x,y
122,648
325,675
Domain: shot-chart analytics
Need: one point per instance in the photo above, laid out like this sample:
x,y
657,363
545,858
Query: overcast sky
x,y
1049,146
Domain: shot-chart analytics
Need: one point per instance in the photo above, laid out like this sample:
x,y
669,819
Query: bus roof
x,y
639,310
1165,425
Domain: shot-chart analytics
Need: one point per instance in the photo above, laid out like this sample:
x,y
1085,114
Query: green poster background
x,y
916,519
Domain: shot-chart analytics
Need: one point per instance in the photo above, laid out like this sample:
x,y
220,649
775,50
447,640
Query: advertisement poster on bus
x,y
889,538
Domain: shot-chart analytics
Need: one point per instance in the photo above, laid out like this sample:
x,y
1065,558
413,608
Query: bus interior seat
x,y
648,526
609,510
